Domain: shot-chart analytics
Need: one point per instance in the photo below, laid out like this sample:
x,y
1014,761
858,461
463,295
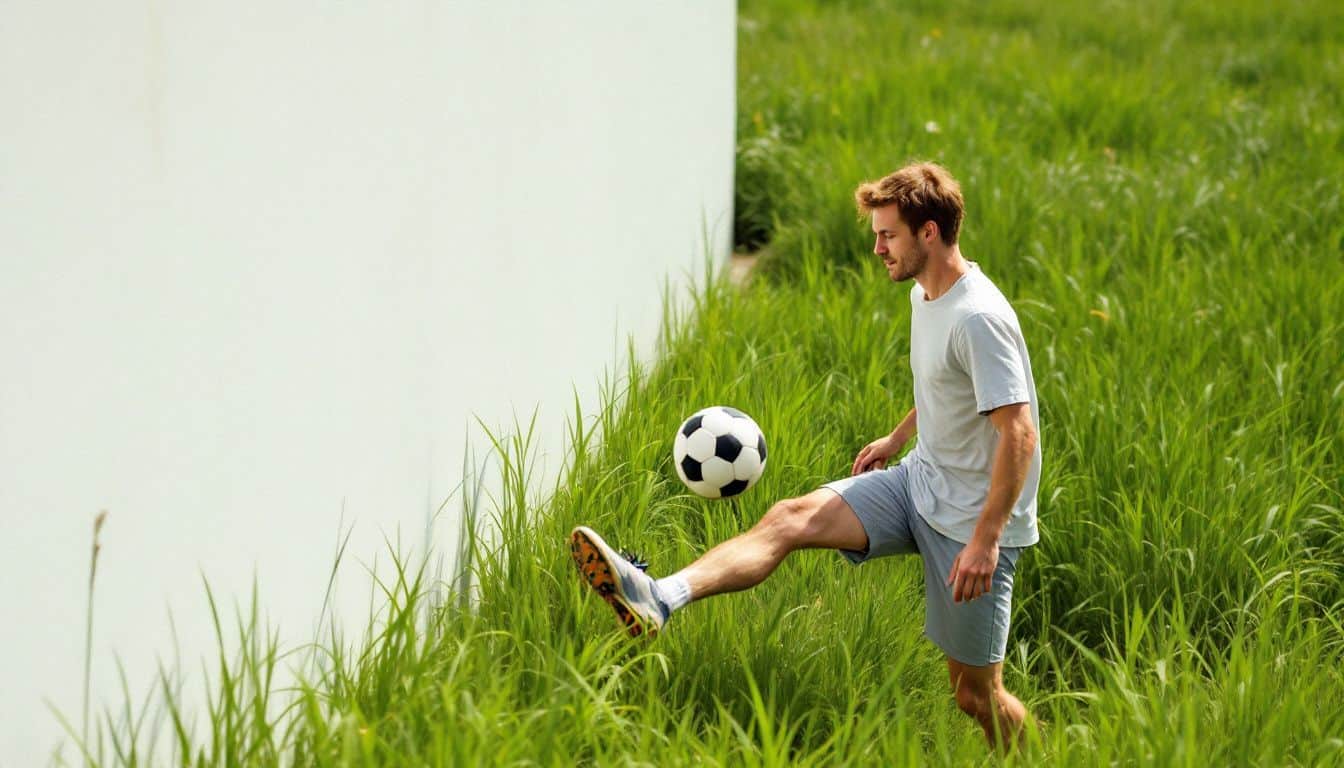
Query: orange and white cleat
x,y
624,585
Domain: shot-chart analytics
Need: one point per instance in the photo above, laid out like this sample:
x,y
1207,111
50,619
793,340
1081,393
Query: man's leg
x,y
821,519
980,694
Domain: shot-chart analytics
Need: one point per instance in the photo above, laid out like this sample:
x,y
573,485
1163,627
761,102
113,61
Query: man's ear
x,y
929,231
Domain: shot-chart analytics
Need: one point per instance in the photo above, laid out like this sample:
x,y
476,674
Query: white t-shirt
x,y
968,358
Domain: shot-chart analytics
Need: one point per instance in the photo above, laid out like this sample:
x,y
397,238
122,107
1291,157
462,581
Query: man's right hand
x,y
875,454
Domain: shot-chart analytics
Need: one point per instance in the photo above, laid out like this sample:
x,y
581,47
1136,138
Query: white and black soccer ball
x,y
719,452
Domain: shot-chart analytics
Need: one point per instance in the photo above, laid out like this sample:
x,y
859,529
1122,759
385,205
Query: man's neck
x,y
942,272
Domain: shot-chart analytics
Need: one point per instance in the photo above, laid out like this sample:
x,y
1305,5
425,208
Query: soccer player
x,y
964,498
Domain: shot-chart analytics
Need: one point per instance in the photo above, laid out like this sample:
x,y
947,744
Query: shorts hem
x,y
956,655
854,556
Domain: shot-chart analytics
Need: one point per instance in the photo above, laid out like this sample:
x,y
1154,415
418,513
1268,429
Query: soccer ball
x,y
719,452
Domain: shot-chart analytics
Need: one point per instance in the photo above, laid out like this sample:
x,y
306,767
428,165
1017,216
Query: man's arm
x,y
1012,460
973,571
905,430
876,453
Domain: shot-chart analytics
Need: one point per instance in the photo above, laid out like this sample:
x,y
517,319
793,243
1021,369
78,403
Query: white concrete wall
x,y
260,264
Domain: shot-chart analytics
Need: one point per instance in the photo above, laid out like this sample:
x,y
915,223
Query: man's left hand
x,y
973,571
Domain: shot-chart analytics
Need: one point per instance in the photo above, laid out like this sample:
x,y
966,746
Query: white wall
x,y
261,262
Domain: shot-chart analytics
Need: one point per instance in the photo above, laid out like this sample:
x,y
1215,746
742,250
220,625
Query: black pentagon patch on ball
x,y
727,448
760,446
692,469
733,488
734,412
691,425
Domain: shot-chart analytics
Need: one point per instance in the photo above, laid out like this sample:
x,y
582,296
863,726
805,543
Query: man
x,y
964,499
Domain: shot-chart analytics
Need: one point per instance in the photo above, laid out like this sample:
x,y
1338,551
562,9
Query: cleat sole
x,y
595,570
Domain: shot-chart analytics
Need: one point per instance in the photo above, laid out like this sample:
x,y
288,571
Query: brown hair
x,y
921,192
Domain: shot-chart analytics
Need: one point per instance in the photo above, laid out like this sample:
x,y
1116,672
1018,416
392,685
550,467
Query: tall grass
x,y
1156,187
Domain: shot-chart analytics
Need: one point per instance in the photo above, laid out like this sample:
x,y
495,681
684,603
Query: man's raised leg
x,y
821,519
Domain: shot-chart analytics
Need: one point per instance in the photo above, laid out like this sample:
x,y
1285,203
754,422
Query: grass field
x,y
1157,188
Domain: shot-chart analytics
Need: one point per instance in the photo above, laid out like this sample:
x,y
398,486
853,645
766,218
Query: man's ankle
x,y
674,591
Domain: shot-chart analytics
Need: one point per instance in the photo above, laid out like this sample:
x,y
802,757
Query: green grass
x,y
1156,186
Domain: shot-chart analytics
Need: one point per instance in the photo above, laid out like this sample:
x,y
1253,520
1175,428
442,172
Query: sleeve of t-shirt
x,y
989,351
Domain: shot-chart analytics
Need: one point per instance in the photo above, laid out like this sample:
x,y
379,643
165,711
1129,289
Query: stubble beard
x,y
909,267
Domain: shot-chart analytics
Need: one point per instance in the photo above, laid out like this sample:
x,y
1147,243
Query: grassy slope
x,y
1157,189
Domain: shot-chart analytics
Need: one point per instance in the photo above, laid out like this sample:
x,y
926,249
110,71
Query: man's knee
x,y
819,519
973,699
789,520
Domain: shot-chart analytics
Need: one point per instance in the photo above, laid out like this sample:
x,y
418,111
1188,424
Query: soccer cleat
x,y
622,583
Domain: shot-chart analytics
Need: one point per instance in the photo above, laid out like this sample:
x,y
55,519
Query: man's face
x,y
902,253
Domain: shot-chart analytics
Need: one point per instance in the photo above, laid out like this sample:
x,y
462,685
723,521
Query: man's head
x,y
914,210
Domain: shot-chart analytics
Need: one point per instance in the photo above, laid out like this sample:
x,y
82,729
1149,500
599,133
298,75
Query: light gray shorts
x,y
972,632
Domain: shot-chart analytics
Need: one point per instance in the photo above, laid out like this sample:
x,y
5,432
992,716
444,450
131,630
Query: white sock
x,y
675,591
